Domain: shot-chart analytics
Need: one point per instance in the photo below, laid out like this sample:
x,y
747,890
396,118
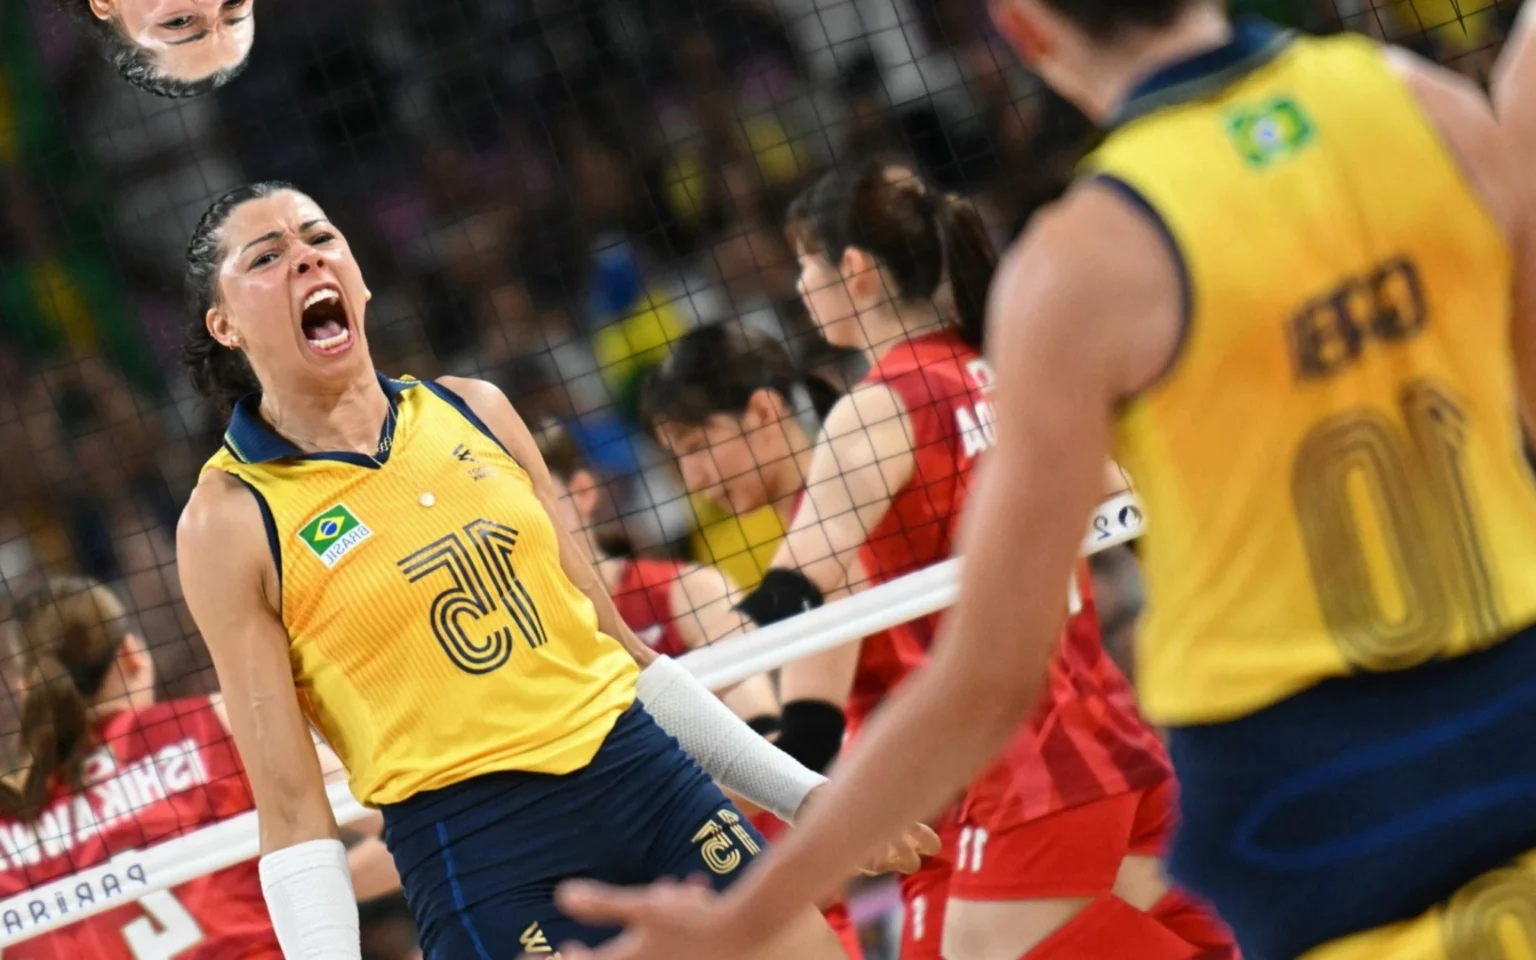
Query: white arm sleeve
x,y
733,753
309,895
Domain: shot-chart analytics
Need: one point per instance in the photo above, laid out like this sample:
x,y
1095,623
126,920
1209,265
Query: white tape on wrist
x,y
308,889
734,754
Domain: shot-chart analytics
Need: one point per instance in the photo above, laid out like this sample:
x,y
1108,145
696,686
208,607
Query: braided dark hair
x,y
135,64
218,373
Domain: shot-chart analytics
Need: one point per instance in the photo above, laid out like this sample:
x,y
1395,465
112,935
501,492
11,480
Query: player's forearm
x,y
291,817
913,761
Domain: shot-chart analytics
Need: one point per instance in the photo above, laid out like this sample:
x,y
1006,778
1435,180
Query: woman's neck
x,y
895,323
347,421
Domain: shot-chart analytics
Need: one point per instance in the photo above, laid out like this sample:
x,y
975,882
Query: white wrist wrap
x,y
733,753
309,895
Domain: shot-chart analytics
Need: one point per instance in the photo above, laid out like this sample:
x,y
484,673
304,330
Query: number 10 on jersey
x,y
1423,528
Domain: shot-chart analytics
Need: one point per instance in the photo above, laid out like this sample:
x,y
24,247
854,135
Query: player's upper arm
x,y
230,582
1490,158
703,599
1514,81
1085,311
863,456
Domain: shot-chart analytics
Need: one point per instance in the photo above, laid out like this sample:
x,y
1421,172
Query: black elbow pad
x,y
811,731
782,594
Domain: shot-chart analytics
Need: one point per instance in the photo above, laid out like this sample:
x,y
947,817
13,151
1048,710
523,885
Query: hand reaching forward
x,y
901,855
904,854
661,922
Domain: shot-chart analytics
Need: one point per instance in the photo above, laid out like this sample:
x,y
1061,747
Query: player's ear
x,y
1020,29
584,493
102,9
134,662
221,327
764,407
862,276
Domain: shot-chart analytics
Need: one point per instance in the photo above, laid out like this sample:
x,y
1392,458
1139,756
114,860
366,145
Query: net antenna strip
x,y
136,873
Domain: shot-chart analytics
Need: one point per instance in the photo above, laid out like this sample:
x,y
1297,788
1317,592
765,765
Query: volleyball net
x,y
141,873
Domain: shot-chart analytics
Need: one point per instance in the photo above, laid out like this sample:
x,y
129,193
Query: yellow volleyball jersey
x,y
1331,466
434,636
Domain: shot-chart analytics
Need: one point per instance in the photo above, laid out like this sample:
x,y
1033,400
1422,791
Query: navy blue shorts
x,y
480,860
1362,801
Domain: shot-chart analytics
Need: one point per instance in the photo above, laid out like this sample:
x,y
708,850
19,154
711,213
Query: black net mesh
x,y
543,193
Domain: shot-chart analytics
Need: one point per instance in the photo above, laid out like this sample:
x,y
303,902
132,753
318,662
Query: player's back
x,y
1332,460
943,382
159,773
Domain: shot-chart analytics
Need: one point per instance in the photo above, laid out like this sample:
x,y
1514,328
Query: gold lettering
x,y
715,846
741,832
534,941
1486,916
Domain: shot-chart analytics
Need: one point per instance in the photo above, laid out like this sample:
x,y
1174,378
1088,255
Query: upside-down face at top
x,y
175,48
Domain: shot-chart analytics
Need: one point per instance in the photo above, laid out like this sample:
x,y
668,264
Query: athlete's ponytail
x,y
66,636
971,261
922,239
218,373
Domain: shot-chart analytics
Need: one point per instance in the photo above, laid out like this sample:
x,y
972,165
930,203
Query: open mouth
x,y
325,322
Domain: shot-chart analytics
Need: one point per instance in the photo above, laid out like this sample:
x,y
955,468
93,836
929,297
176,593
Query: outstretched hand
x,y
904,854
901,855
661,922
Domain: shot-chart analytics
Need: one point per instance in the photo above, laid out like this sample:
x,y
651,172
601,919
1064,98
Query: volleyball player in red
x,y
675,607
113,771
1055,848
731,407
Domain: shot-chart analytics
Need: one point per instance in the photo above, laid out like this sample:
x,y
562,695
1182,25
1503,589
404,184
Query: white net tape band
x,y
134,874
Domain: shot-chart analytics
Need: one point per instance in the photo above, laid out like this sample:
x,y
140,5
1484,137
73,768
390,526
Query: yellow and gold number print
x,y
721,841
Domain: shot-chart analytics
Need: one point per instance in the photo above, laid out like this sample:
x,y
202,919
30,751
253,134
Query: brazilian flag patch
x,y
333,534
1268,133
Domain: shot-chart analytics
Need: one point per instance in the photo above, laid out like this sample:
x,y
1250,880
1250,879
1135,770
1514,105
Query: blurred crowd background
x,y
541,192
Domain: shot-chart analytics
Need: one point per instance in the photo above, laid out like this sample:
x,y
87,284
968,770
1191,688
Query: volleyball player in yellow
x,y
377,556
1285,292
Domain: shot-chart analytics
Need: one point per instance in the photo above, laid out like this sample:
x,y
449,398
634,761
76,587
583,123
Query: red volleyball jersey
x,y
1087,739
159,773
943,383
644,599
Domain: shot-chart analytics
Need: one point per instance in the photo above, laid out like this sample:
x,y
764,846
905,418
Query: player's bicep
x,y
703,609
864,455
226,573
1054,316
